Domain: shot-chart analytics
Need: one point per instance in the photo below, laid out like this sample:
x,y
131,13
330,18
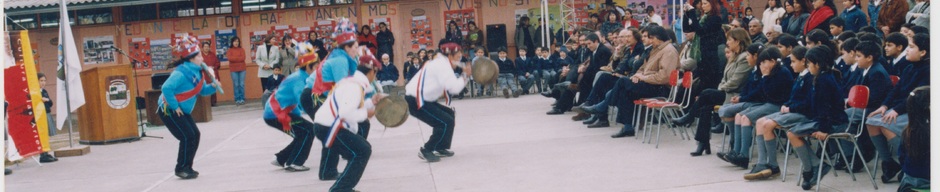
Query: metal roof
x,y
22,7
20,4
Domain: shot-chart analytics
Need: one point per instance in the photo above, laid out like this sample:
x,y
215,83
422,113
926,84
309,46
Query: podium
x,y
202,112
109,113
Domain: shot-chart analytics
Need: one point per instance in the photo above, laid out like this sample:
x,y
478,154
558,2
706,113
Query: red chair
x,y
894,80
639,105
670,109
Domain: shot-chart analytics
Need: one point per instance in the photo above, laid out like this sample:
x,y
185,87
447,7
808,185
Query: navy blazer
x,y
897,68
770,89
524,66
877,80
272,83
410,70
559,63
506,66
388,73
799,95
829,107
915,75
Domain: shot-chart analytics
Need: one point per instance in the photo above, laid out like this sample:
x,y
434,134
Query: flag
x,y
67,72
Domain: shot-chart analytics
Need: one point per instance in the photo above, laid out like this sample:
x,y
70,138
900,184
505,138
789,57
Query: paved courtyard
x,y
500,145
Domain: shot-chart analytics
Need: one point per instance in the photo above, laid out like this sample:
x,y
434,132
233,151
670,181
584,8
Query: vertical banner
x,y
223,40
98,49
161,53
257,39
324,29
26,113
140,53
462,17
421,37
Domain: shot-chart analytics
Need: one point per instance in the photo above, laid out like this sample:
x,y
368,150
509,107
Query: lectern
x,y
108,115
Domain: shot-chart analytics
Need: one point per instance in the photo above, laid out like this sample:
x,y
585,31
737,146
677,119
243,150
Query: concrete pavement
x,y
500,145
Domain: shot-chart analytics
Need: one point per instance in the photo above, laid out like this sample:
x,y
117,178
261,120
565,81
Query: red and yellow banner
x,y
26,113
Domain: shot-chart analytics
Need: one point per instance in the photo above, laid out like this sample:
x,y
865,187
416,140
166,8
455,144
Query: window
x,y
177,9
94,16
51,20
286,4
27,21
212,7
258,5
334,2
369,1
139,12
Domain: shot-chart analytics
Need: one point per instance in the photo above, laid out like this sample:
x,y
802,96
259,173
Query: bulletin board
x,y
281,30
223,40
324,29
98,50
374,23
300,33
257,39
462,17
421,36
139,50
161,53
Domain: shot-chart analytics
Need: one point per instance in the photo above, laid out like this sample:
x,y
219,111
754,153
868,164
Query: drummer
x,y
431,82
281,112
336,124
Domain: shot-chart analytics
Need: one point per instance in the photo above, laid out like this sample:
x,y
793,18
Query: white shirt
x,y
805,71
349,104
898,58
770,18
438,78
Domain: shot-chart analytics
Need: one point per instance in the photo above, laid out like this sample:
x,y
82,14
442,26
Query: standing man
x,y
525,36
436,79
651,79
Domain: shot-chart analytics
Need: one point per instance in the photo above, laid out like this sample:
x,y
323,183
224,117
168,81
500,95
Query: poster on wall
x,y
257,39
324,30
98,49
207,39
161,53
421,37
139,50
519,13
300,33
581,15
374,23
462,17
223,40
282,30
554,13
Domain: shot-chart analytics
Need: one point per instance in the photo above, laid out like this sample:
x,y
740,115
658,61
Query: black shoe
x,y
702,147
186,174
444,153
580,117
428,155
724,155
718,129
624,132
889,170
515,94
506,93
555,112
815,179
599,124
739,160
683,121
547,94
46,158
807,177
7,171
593,109
591,120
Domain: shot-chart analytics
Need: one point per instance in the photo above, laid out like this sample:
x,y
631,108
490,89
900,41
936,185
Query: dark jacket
x,y
915,75
388,73
877,81
559,63
829,108
711,35
272,83
795,25
410,70
625,66
897,68
386,42
770,89
524,66
48,104
799,95
600,58
506,66
854,19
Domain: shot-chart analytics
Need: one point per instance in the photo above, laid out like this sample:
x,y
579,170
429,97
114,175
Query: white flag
x,y
69,67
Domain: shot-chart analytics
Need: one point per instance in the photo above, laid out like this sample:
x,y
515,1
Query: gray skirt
x,y
897,127
731,109
755,112
794,122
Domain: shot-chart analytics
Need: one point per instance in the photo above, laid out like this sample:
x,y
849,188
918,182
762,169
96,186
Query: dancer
x,y
432,81
281,112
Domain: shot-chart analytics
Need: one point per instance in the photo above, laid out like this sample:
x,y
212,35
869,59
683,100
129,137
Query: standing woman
x,y
772,13
920,14
801,10
853,16
236,64
474,37
179,98
367,39
707,26
453,33
314,39
385,40
288,55
819,19
213,62
266,56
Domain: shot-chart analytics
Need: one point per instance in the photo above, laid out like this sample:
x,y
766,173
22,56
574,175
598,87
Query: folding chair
x,y
672,109
858,98
894,80
639,105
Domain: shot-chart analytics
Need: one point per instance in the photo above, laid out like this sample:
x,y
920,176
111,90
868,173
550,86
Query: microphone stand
x,y
140,121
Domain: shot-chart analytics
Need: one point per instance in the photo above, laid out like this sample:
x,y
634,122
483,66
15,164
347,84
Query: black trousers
x,y
183,129
603,84
702,109
439,117
352,147
310,103
264,84
298,150
635,91
329,158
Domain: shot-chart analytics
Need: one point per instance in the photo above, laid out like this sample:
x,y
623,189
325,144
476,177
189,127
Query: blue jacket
x,y
914,76
843,67
854,19
560,63
410,70
506,66
337,66
273,83
525,66
829,108
770,89
873,17
799,95
785,62
288,94
897,68
388,73
183,78
877,80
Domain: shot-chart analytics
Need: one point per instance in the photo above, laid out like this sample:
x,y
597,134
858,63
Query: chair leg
x,y
821,161
724,136
846,160
786,157
659,131
870,173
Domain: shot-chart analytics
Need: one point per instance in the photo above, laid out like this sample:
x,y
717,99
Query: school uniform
x,y
282,113
388,75
749,92
507,74
828,109
799,103
842,66
434,81
180,90
915,75
274,81
773,93
897,65
410,70
337,123
878,83
526,65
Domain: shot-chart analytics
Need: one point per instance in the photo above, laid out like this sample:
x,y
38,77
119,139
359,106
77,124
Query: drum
x,y
392,111
485,71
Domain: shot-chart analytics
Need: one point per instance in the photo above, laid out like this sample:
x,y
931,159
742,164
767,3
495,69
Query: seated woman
x,y
915,152
766,90
822,113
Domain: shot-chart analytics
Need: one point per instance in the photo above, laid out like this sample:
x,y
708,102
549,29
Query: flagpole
x,y
65,69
